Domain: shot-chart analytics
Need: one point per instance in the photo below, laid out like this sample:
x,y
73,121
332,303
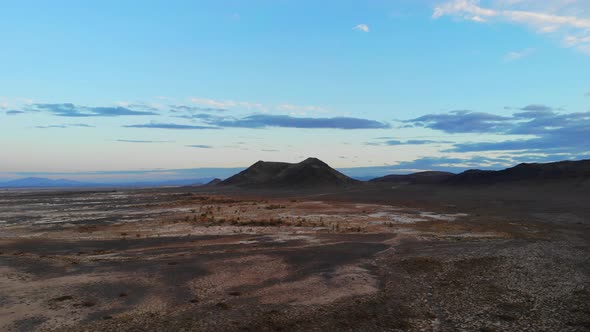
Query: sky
x,y
102,90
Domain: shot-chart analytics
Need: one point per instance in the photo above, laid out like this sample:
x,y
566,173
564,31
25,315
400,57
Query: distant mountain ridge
x,y
428,177
526,172
560,170
314,172
37,182
311,172
41,183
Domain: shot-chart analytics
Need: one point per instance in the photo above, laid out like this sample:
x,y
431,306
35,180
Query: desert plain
x,y
365,257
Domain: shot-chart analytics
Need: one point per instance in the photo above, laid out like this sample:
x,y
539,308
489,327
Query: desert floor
x,y
365,258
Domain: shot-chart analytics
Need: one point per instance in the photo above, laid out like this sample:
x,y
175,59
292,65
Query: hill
x,y
311,172
213,182
429,177
34,182
37,182
526,172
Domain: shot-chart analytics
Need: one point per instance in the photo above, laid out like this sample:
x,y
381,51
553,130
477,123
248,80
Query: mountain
x,y
33,182
526,172
311,172
162,183
429,177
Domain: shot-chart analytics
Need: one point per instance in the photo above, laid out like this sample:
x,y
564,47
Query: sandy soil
x,y
363,259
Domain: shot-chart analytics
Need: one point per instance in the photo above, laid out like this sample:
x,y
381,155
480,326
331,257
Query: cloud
x,y
415,142
193,109
140,141
202,116
393,142
199,146
446,164
301,109
534,111
537,107
456,165
452,164
563,18
51,126
361,27
574,139
222,104
13,112
548,130
285,121
518,55
152,107
169,126
62,126
71,110
587,94
462,122
213,105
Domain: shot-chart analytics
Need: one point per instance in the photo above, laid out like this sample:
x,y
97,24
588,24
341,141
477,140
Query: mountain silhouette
x,y
311,172
560,170
429,177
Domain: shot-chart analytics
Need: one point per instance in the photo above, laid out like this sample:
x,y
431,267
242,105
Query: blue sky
x,y
89,89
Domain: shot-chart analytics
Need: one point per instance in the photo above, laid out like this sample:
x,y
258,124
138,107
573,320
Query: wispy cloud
x,y
62,126
462,122
72,110
193,109
140,141
13,112
199,146
562,18
175,126
390,141
286,121
223,104
361,27
301,109
517,55
450,164
415,142
211,105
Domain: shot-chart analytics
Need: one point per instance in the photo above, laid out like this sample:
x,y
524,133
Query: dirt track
x,y
367,259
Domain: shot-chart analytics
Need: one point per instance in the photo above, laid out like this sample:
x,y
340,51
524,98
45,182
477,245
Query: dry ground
x,y
368,258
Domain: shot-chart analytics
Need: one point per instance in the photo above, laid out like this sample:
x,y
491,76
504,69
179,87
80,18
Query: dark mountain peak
x,y
308,173
314,161
214,182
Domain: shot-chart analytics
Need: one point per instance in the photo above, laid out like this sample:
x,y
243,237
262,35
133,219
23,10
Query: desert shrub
x,y
274,207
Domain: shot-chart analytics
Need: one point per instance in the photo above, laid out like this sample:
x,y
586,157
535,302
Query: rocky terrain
x,y
366,257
